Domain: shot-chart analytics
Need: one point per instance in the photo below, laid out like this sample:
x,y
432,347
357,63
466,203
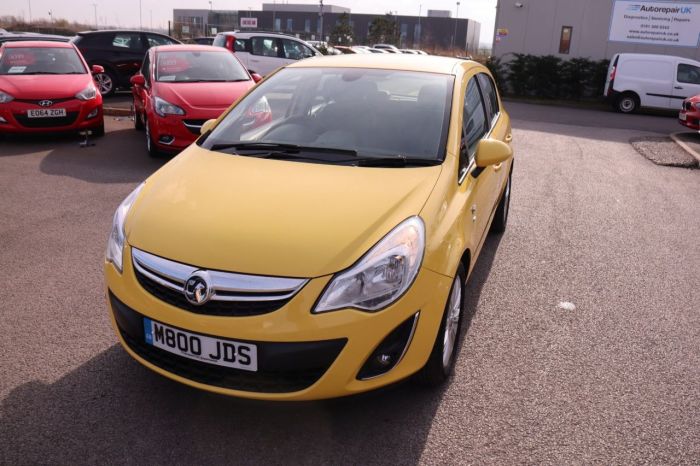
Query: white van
x,y
643,80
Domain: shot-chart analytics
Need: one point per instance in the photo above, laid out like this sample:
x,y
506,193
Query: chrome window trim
x,y
225,286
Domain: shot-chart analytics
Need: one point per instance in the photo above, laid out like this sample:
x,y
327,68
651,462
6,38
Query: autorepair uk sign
x,y
656,23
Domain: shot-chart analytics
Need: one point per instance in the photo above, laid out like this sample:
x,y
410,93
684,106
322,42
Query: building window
x,y
290,24
278,24
307,25
565,40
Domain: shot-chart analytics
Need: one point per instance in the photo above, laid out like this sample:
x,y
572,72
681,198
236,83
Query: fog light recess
x,y
94,113
166,139
390,351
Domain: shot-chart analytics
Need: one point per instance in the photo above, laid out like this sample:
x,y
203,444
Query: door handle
x,y
498,166
509,137
678,87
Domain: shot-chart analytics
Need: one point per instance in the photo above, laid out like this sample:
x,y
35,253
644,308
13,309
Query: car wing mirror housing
x,y
137,80
96,69
256,77
207,126
492,152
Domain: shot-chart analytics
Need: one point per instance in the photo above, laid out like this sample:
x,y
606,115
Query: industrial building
x,y
597,29
436,31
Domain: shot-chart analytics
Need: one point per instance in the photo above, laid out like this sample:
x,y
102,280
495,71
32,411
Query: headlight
x,y
163,107
697,106
382,275
115,244
5,98
88,93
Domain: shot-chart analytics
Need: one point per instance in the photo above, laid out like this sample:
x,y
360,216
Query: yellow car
x,y
315,241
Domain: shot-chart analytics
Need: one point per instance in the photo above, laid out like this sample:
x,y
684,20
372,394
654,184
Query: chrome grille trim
x,y
226,286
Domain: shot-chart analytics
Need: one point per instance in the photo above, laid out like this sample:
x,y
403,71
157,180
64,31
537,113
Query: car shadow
x,y
118,157
113,408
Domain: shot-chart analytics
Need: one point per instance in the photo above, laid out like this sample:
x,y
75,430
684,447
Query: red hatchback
x,y
47,87
690,113
180,87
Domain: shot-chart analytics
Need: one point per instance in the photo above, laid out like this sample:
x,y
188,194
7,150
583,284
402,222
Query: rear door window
x,y
265,46
127,41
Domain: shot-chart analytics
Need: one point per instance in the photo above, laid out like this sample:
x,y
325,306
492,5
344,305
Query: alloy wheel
x,y
454,312
104,82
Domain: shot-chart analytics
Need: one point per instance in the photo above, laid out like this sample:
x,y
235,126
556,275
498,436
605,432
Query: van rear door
x,y
686,82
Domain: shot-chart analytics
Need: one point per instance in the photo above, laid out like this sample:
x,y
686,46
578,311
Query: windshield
x,y
40,60
371,112
183,67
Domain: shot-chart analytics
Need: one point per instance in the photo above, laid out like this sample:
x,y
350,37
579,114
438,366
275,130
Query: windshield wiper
x,y
273,147
394,161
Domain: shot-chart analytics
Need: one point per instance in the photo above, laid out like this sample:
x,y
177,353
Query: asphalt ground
x,y
613,379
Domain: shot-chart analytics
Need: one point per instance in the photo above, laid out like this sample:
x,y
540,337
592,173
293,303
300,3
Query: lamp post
x,y
94,5
140,17
456,21
420,7
320,14
30,11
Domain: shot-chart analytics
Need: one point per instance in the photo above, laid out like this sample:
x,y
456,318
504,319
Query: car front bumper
x,y
689,119
76,119
305,356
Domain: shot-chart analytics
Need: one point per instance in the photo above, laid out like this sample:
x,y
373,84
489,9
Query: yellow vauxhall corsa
x,y
316,240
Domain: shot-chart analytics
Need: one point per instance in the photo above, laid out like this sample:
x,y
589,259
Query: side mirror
x,y
137,80
207,126
256,77
492,152
97,69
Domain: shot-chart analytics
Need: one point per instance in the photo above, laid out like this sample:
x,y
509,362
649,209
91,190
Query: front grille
x,y
193,125
27,122
36,101
234,295
282,367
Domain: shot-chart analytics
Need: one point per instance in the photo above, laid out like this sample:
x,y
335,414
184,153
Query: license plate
x,y
227,353
46,112
682,116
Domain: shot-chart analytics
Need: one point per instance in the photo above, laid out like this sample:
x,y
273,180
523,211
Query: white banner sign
x,y
656,23
249,22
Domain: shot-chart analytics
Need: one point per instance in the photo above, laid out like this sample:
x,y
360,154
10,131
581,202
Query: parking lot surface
x,y
582,345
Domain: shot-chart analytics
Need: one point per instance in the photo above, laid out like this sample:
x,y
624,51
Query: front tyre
x,y
442,358
500,218
150,147
627,103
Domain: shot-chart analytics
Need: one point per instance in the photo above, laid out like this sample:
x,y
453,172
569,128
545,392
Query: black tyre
x,y
106,82
627,103
150,147
442,358
98,131
500,218
138,119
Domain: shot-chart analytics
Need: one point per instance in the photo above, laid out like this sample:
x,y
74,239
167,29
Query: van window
x,y
241,45
295,50
688,74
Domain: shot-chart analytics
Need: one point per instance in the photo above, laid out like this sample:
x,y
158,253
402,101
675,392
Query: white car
x,y
264,52
644,80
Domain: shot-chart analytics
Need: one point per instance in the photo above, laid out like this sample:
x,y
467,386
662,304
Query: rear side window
x,y
688,74
154,40
490,100
241,45
265,46
127,41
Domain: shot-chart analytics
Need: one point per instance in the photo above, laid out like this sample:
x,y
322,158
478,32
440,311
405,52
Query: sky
x,y
125,13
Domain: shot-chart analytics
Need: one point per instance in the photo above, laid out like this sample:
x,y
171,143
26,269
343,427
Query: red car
x,y
180,87
690,113
47,87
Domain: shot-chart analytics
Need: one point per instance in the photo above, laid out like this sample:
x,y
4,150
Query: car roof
x,y
189,48
37,44
405,62
125,31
